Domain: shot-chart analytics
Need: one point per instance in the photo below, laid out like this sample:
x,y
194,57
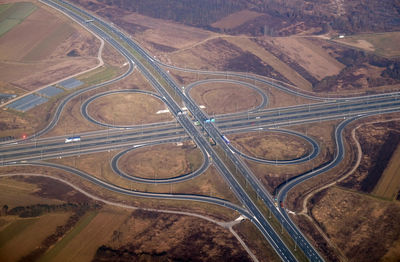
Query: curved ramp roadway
x,y
85,105
186,123
276,84
315,150
196,136
105,37
181,178
264,97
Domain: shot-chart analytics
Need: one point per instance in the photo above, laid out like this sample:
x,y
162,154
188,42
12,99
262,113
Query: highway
x,y
193,132
258,118
216,135
240,123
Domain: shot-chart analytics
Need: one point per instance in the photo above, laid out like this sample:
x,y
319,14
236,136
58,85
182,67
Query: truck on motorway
x,y
225,139
73,139
211,120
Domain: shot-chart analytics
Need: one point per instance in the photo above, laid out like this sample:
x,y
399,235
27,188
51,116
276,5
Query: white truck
x,y
73,139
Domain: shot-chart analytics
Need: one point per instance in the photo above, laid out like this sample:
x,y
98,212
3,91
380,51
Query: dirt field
x,y
220,98
385,44
163,161
364,228
236,19
271,145
29,238
128,109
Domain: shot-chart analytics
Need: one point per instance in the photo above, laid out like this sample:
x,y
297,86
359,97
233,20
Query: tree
x,y
4,210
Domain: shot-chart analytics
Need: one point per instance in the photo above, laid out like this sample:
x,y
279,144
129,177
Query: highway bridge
x,y
129,137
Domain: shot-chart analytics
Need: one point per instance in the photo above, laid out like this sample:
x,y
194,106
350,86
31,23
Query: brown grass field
x,y
389,184
310,56
150,234
220,98
271,145
19,193
30,60
210,54
26,241
164,33
385,44
373,136
236,19
363,227
128,109
247,45
169,161
277,98
272,175
370,223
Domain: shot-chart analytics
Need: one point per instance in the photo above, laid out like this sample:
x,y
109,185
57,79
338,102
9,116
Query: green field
x,y
385,44
13,14
99,75
50,43
83,222
4,7
14,229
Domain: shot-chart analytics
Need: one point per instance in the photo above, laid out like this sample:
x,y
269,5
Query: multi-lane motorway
x,y
261,120
257,119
